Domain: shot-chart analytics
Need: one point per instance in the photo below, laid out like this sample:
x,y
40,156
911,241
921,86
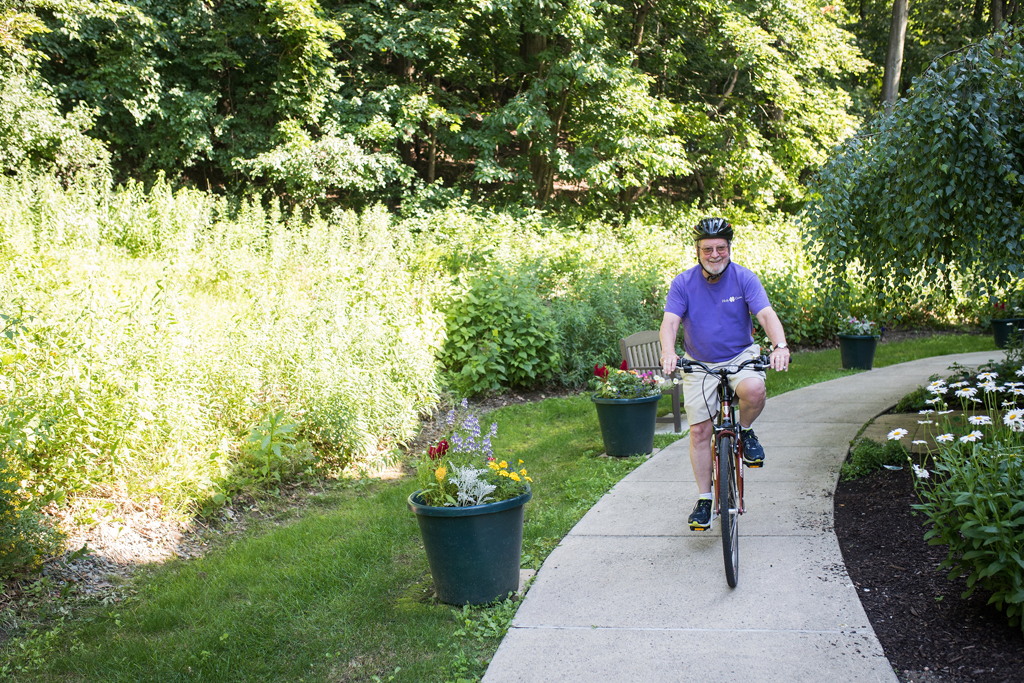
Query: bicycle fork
x,y
723,429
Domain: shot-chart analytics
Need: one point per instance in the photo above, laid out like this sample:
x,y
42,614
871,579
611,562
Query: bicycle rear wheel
x,y
729,507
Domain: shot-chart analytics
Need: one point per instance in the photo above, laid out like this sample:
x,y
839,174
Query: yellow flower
x,y
503,473
514,476
493,465
528,479
520,462
504,464
523,471
440,473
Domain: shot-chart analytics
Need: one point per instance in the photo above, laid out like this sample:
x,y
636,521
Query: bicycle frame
x,y
726,424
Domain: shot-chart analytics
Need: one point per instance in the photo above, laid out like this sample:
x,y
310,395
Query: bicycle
x,y
727,458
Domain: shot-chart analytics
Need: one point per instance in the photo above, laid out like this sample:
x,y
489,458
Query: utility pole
x,y
894,55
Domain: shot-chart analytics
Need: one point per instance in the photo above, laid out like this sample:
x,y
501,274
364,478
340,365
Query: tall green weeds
x,y
147,333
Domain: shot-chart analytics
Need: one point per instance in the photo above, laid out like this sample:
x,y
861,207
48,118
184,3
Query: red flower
x,y
624,366
600,371
439,450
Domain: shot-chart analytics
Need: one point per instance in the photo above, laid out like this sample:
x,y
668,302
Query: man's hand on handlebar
x,y
780,359
668,362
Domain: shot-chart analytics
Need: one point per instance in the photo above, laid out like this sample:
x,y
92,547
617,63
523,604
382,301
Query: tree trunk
x,y
432,157
639,19
894,55
979,11
997,14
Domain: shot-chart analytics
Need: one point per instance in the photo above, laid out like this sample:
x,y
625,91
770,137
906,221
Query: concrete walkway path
x,y
631,594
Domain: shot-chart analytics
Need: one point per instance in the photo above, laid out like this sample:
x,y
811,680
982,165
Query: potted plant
x,y
470,513
1007,319
627,409
857,342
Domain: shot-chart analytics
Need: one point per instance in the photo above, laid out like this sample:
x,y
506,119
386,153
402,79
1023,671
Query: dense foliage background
x,y
258,239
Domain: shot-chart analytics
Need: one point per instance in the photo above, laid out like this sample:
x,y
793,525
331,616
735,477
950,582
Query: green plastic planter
x,y
1002,329
857,350
473,552
627,424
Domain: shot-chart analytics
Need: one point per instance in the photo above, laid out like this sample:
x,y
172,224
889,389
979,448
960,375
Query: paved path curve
x,y
631,594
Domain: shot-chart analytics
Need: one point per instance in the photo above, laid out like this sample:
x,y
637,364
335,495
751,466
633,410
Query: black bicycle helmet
x,y
711,228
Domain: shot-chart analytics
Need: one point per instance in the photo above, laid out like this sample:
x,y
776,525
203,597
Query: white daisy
x,y
944,438
972,437
987,375
933,401
919,441
897,434
921,472
1020,373
964,393
980,420
944,412
957,385
925,412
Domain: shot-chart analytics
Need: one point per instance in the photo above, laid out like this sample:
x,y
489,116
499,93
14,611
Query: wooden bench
x,y
642,352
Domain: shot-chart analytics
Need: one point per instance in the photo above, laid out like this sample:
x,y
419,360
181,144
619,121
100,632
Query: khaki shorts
x,y
699,390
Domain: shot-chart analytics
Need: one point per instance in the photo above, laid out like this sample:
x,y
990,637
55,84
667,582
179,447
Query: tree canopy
x,y
714,100
936,185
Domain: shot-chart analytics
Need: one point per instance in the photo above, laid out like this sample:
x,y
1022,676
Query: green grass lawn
x,y
340,590
811,367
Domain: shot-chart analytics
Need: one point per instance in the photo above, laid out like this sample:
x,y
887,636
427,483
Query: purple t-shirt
x,y
716,316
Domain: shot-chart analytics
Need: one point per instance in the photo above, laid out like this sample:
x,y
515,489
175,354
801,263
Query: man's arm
x,y
769,320
669,330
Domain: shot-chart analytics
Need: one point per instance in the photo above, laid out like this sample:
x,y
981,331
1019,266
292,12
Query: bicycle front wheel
x,y
729,507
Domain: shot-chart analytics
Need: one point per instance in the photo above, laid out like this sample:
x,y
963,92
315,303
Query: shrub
x,y
975,506
500,334
866,456
601,308
25,539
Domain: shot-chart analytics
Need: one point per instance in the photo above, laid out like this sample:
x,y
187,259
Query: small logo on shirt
x,y
732,299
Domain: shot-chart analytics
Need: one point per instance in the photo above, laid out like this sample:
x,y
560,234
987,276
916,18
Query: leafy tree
x,y
758,87
932,192
934,29
33,131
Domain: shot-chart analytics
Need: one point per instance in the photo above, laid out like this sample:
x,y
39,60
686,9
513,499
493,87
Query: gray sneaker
x,y
753,453
700,518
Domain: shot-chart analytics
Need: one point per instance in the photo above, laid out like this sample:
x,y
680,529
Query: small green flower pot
x,y
1003,329
627,424
857,350
473,552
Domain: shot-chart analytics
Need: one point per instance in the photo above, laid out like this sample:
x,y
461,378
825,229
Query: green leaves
x,y
942,205
975,506
500,334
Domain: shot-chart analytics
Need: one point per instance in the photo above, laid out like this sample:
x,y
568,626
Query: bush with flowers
x,y
623,383
852,325
461,469
972,490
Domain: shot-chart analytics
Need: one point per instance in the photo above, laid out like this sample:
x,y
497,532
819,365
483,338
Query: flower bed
x,y
974,504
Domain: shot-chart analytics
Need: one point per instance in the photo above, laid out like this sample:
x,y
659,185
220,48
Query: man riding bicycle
x,y
714,301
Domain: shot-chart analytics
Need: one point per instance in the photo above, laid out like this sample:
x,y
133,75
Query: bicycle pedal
x,y
756,466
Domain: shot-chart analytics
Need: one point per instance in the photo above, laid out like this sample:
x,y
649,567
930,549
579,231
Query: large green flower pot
x,y
1002,329
857,350
627,424
473,552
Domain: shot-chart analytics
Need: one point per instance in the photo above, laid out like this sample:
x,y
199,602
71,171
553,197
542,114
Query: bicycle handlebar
x,y
759,363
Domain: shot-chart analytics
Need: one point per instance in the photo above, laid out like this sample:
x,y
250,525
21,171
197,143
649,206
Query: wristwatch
x,y
783,345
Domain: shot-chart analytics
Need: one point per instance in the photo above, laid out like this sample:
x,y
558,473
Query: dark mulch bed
x,y
928,632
